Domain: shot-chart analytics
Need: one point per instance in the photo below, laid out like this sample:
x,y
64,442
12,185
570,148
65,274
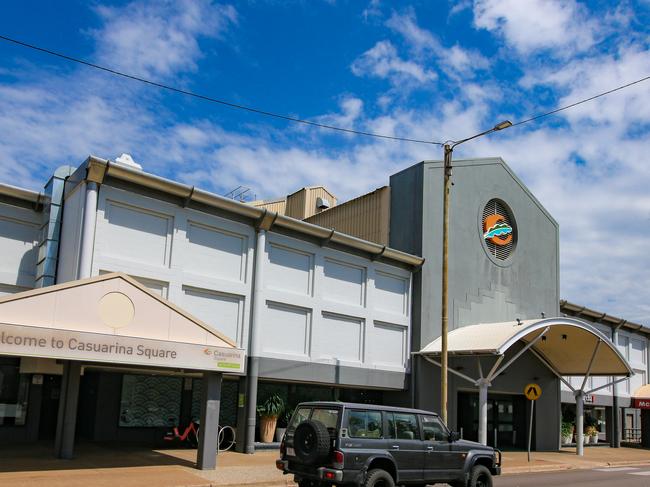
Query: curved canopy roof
x,y
642,392
568,344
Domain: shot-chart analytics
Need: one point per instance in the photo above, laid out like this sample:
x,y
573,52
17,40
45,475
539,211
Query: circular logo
x,y
498,229
116,310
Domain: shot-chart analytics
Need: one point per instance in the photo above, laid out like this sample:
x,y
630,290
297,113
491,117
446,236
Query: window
x,y
329,417
432,429
364,424
150,401
403,426
299,416
14,390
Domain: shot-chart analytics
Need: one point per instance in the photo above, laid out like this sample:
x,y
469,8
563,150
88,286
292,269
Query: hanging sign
x,y
532,391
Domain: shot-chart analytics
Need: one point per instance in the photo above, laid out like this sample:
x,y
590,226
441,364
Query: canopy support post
x,y
580,422
483,385
519,353
455,372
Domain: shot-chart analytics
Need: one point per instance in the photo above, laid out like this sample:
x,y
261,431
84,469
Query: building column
x,y
615,441
483,385
580,422
206,456
67,415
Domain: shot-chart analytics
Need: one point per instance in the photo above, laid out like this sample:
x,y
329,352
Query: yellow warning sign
x,y
533,391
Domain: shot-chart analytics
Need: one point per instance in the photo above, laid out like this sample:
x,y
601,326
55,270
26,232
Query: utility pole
x,y
444,322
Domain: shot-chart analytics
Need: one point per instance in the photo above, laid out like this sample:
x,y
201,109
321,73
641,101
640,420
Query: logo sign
x,y
497,230
533,391
33,341
642,403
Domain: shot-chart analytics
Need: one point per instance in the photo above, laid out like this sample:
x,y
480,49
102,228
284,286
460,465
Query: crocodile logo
x,y
496,230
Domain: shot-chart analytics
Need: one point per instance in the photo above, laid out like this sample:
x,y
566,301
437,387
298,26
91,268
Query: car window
x,y
432,429
403,426
329,417
299,416
364,424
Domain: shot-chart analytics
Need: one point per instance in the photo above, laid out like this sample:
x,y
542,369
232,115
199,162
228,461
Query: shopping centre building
x,y
298,296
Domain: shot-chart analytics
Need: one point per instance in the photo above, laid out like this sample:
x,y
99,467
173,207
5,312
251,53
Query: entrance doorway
x,y
506,417
49,407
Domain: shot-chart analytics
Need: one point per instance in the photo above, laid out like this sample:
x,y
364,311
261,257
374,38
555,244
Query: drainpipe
x,y
254,342
88,231
615,441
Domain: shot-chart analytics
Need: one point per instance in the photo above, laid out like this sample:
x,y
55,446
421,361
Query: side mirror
x,y
454,436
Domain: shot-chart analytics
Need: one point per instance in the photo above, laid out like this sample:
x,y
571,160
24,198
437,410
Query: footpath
x,y
108,466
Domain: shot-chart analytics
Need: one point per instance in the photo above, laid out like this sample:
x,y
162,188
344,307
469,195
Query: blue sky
x,y
422,69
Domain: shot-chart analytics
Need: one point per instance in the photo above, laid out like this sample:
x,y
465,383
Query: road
x,y
600,477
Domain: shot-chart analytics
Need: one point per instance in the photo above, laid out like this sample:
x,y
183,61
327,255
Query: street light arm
x,y
500,126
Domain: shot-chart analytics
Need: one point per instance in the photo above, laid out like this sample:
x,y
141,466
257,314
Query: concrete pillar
x,y
67,415
206,455
483,385
580,422
615,441
251,404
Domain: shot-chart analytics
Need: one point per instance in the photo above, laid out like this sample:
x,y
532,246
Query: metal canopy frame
x,y
485,381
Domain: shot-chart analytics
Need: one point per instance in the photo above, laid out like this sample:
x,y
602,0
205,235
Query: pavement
x,y
109,465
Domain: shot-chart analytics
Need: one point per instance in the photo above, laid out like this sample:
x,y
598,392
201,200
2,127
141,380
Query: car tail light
x,y
337,459
330,475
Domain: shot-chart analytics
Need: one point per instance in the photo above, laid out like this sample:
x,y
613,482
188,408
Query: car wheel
x,y
379,478
312,442
480,476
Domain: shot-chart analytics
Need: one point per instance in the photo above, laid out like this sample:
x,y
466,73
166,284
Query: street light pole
x,y
444,330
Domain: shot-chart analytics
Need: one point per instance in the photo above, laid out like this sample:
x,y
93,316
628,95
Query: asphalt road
x,y
605,477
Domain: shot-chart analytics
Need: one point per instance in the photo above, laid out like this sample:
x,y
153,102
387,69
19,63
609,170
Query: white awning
x,y
567,345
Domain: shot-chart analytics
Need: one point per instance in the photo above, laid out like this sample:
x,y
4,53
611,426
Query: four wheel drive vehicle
x,y
336,443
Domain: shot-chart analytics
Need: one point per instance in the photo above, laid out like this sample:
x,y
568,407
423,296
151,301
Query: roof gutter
x,y
26,195
98,169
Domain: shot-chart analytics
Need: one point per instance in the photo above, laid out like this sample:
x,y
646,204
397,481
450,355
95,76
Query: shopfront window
x,y
150,401
14,390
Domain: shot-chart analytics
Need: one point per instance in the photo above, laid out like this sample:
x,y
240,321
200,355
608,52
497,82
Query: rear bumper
x,y
323,473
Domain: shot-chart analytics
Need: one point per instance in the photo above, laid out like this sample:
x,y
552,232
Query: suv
x,y
336,443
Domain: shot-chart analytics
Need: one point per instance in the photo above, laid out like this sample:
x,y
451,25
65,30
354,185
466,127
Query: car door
x,y
440,461
405,445
363,437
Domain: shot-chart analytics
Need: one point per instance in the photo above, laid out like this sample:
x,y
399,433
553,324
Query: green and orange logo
x,y
497,230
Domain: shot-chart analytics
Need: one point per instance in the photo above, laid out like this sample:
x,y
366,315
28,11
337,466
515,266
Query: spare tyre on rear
x,y
311,442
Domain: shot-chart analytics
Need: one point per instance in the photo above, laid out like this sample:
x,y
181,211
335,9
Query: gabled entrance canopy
x,y
566,346
111,319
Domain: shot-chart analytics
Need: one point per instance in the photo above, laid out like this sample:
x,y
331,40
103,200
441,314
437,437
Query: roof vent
x,y
322,203
126,160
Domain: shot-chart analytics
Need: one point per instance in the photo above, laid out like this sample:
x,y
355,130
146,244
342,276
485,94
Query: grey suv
x,y
337,443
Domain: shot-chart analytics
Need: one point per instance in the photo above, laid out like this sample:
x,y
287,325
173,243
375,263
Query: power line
x,y
214,100
566,107
286,117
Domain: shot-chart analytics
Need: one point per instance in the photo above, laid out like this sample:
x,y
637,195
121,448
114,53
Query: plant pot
x,y
585,439
267,428
279,433
593,439
566,440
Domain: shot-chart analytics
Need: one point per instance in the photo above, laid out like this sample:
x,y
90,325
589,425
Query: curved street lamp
x,y
449,148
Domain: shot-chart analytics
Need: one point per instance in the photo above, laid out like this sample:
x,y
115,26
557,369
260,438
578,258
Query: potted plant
x,y
589,432
567,432
269,412
283,422
593,435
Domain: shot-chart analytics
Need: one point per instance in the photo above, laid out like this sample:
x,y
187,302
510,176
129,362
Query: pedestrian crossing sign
x,y
532,391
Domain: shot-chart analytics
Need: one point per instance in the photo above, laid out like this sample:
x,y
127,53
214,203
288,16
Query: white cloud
x,y
158,38
383,62
538,24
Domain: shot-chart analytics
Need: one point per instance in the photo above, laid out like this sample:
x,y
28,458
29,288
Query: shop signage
x,y
642,403
497,230
34,341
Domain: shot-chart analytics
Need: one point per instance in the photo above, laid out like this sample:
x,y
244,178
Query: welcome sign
x,y
33,341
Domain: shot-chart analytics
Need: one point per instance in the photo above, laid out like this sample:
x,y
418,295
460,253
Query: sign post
x,y
532,392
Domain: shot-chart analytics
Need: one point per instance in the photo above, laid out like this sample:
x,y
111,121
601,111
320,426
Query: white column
x,y
88,232
483,385
580,422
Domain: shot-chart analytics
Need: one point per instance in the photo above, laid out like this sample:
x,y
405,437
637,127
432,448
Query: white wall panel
x,y
286,330
638,351
289,269
389,344
215,252
137,234
219,310
391,293
18,245
340,338
343,282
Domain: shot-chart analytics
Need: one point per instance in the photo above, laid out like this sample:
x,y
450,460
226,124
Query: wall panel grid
x,y
198,261
19,230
